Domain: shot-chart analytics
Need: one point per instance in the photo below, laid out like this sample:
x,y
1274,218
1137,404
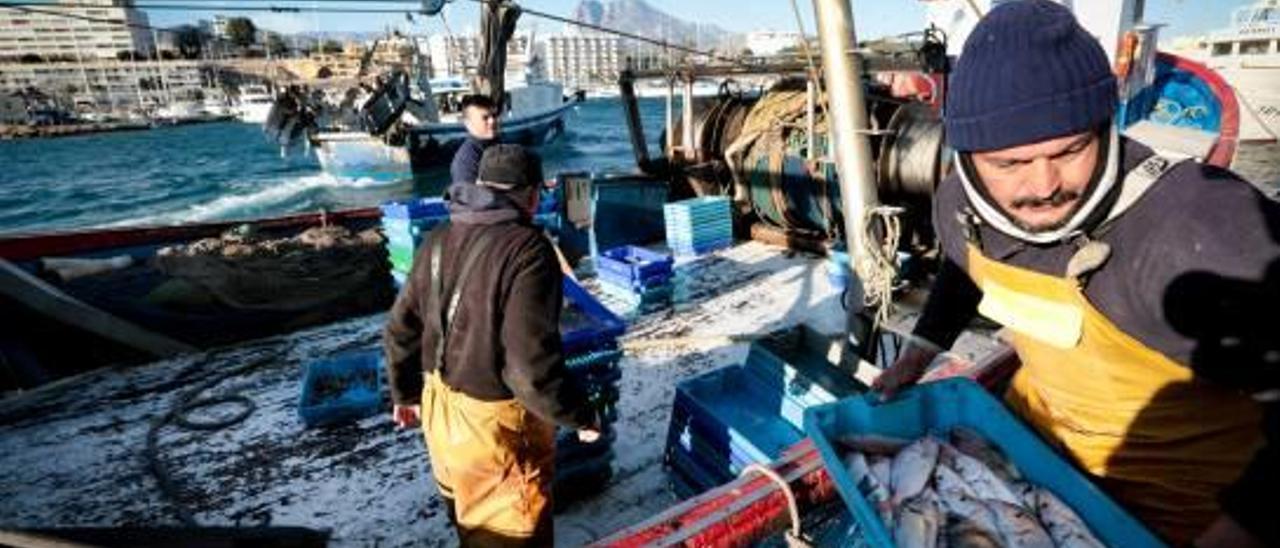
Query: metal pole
x,y
627,91
671,118
810,134
686,112
847,121
847,116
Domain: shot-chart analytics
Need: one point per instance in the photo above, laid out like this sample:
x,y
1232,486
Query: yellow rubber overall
x,y
496,460
1161,442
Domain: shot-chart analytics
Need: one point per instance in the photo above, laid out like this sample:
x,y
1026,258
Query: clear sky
x,y
872,17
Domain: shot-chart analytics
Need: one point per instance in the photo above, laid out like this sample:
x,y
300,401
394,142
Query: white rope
x,y
794,539
878,267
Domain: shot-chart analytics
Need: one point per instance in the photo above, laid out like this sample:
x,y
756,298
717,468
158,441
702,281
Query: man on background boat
x,y
1137,287
480,117
479,319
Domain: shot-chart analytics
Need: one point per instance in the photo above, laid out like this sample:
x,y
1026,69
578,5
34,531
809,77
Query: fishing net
x,y
319,266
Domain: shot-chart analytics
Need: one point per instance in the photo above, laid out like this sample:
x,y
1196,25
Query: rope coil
x,y
878,267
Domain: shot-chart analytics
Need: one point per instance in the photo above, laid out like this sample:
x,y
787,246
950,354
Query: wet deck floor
x,y
73,453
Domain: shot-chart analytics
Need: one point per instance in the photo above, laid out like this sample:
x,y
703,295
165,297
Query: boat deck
x,y
74,453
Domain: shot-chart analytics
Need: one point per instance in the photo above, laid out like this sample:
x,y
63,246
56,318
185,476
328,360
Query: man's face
x,y
1040,185
481,123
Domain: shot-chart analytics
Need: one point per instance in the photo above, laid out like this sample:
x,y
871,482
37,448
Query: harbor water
x,y
229,170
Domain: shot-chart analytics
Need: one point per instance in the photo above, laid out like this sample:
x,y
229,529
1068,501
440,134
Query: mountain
x,y
638,17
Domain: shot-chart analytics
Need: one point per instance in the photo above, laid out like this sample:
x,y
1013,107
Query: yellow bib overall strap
x,y
1162,442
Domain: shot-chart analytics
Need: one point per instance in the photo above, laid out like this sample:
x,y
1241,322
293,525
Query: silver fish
x,y
912,468
965,534
1026,493
968,509
877,493
979,477
970,442
881,468
1018,526
1065,527
920,521
947,481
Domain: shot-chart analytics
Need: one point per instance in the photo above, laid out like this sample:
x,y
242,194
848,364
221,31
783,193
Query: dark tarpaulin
x,y
497,24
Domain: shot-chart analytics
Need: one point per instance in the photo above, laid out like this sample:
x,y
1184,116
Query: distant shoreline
x,y
12,132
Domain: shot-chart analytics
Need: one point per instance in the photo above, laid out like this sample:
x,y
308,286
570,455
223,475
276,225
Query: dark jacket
x,y
506,337
465,166
1194,274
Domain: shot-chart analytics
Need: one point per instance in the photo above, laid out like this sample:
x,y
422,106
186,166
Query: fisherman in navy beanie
x,y
1029,73
1128,280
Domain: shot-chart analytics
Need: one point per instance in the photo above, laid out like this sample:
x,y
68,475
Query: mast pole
x,y
842,77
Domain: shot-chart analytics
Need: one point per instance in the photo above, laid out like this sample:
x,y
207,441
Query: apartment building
x,y
54,36
769,42
111,83
454,55
584,60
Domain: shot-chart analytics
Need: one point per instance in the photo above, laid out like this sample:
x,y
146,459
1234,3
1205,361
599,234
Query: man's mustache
x,y
1058,198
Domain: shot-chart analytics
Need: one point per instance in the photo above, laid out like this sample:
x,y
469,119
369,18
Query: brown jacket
x,y
505,338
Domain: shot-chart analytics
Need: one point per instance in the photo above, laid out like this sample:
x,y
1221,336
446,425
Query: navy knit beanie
x,y
1028,72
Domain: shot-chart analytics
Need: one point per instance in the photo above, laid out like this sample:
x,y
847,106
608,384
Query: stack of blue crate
x,y
698,225
727,418
639,278
405,224
548,214
589,335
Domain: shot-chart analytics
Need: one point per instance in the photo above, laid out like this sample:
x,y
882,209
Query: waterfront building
x,y
766,43
57,37
111,84
458,55
584,60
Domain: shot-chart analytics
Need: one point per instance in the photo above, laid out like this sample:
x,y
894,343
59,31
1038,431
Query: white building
x,y
769,42
111,84
454,56
219,27
60,37
584,60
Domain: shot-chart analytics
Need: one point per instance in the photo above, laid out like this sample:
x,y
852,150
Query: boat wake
x,y
292,194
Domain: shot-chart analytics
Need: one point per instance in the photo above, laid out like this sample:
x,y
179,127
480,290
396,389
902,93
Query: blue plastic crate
x,y
626,282
414,209
692,475
716,398
700,203
592,361
940,406
698,438
586,324
634,264
343,388
698,250
809,380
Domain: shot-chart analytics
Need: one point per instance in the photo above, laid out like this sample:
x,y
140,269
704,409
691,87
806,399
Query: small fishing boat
x,y
535,116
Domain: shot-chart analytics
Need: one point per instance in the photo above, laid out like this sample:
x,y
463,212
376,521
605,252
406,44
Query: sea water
x,y
229,170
